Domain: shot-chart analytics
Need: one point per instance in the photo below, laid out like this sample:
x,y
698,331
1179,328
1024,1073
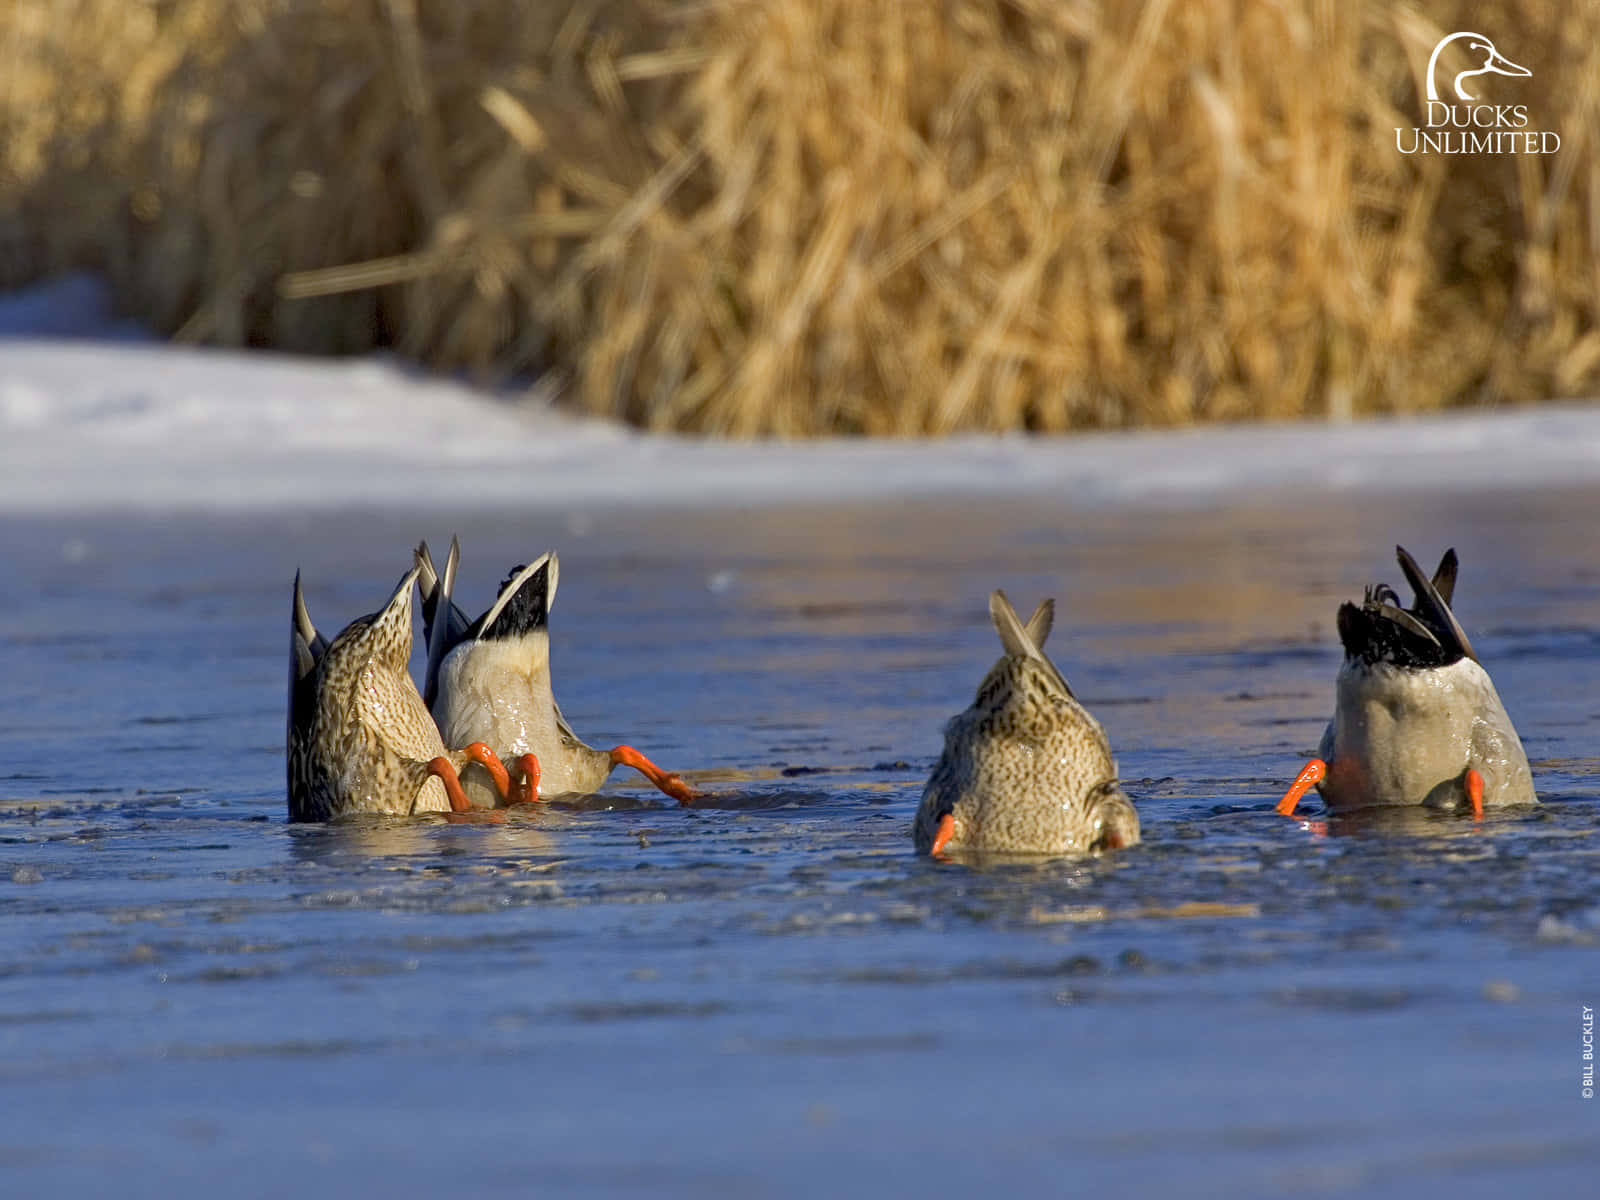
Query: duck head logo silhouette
x,y
1482,51
1462,123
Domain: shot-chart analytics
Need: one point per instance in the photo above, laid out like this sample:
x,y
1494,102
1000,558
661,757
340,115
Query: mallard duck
x,y
1416,718
1026,768
360,739
489,680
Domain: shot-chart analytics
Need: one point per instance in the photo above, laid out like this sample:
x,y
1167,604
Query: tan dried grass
x,y
787,217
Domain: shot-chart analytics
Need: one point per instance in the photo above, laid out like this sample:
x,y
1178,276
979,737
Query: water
x,y
771,996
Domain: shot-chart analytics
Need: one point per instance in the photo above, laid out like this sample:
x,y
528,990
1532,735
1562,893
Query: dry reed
x,y
787,217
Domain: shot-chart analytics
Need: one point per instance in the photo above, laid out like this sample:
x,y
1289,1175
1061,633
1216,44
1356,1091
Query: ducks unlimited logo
x,y
1464,125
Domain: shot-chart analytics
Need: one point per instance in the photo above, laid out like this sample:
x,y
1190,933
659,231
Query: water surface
x,y
771,995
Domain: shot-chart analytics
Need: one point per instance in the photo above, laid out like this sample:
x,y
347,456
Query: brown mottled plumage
x,y
360,739
1025,769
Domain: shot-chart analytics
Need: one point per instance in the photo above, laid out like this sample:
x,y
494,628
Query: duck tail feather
x,y
443,624
392,626
1018,639
316,644
306,647
523,605
1043,620
1433,607
1444,579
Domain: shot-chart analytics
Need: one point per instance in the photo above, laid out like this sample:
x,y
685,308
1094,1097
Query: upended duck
x,y
360,740
489,680
1416,718
1026,768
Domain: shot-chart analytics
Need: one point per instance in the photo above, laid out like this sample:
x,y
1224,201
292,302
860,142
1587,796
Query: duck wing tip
x,y
1025,641
1042,622
301,625
443,624
1432,604
1444,578
523,603
1013,636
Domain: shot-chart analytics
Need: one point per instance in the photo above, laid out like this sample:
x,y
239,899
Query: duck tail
x,y
306,648
1043,620
1379,630
1444,579
443,624
389,630
1025,641
306,645
1433,602
523,605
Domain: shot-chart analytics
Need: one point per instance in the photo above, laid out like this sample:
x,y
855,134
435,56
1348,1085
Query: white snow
x,y
92,419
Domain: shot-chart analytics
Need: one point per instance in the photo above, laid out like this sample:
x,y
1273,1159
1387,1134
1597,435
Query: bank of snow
x,y
97,423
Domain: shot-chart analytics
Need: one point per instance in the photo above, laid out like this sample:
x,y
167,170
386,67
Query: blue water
x,y
770,995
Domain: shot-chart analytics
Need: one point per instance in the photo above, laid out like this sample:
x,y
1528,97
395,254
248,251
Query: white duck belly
x,y
499,692
1404,736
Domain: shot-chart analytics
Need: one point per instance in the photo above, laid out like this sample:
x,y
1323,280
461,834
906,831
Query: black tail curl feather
x,y
1421,637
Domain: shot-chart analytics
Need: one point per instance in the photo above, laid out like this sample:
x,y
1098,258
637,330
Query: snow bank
x,y
95,424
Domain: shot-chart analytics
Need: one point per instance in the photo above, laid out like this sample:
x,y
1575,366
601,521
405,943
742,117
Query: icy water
x,y
770,995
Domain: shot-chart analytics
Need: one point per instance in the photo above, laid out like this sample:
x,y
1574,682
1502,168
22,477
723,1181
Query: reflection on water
x,y
359,839
1415,822
769,986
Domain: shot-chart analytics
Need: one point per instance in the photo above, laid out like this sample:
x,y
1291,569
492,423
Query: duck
x,y
489,680
360,739
1416,718
1026,768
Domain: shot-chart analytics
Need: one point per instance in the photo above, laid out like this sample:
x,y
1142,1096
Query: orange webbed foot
x,y
480,753
670,783
527,791
444,770
1310,775
1474,783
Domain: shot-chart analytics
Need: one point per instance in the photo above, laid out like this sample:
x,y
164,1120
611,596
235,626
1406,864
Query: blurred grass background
x,y
789,217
